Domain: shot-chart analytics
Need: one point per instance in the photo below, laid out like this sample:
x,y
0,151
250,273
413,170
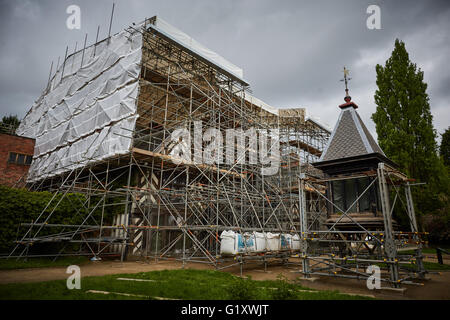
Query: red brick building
x,y
16,154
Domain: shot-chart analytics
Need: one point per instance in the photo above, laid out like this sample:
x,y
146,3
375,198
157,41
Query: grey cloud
x,y
292,52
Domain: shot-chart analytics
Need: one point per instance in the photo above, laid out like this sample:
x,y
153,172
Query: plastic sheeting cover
x,y
88,113
188,42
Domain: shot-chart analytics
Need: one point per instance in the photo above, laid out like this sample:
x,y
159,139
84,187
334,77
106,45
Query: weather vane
x,y
346,73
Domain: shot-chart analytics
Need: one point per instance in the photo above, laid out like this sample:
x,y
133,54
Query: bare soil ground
x,y
98,268
437,287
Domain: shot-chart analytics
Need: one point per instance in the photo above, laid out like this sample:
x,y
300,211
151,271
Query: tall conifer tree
x,y
445,147
405,129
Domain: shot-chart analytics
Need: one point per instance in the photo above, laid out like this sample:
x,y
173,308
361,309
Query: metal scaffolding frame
x,y
146,204
176,210
347,252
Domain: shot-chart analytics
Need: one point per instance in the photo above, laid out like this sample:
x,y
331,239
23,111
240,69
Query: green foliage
x,y
403,118
187,284
242,289
445,147
9,124
22,206
430,266
405,130
438,225
285,290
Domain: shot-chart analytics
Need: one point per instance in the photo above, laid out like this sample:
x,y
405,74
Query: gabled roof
x,y
189,44
350,137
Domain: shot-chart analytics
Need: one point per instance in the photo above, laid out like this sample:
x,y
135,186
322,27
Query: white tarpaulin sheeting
x,y
188,42
90,113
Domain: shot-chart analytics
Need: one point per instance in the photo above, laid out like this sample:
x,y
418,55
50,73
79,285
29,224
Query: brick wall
x,y
11,173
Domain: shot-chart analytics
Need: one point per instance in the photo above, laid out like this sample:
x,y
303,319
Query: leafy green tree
x,y
445,147
405,130
9,124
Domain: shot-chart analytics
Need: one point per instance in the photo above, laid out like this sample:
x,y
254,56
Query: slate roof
x,y
350,138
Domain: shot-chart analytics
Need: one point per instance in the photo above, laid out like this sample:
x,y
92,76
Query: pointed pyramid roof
x,y
350,137
351,147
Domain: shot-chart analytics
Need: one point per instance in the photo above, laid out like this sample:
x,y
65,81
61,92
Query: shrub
x,y
438,226
23,206
285,291
242,289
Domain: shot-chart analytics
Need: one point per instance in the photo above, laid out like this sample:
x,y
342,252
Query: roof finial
x,y
346,73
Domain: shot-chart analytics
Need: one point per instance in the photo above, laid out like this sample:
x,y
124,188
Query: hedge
x,y
20,205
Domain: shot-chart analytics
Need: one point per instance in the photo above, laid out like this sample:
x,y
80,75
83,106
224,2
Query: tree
x,y
9,124
445,147
405,130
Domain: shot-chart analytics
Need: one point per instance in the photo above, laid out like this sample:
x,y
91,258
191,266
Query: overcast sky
x,y
292,52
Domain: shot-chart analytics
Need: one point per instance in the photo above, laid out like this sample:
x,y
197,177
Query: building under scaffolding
x,y
104,129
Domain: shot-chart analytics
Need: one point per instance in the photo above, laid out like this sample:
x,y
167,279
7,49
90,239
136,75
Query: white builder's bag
x,y
250,242
286,241
273,241
260,242
296,242
228,243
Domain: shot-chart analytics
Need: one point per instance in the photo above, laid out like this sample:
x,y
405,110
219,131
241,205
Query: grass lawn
x,y
424,250
188,284
427,250
433,266
430,266
9,264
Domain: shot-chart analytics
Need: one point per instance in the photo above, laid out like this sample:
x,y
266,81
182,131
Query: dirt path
x,y
87,270
438,287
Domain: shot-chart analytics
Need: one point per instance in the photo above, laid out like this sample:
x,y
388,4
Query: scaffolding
x,y
177,210
349,243
150,204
